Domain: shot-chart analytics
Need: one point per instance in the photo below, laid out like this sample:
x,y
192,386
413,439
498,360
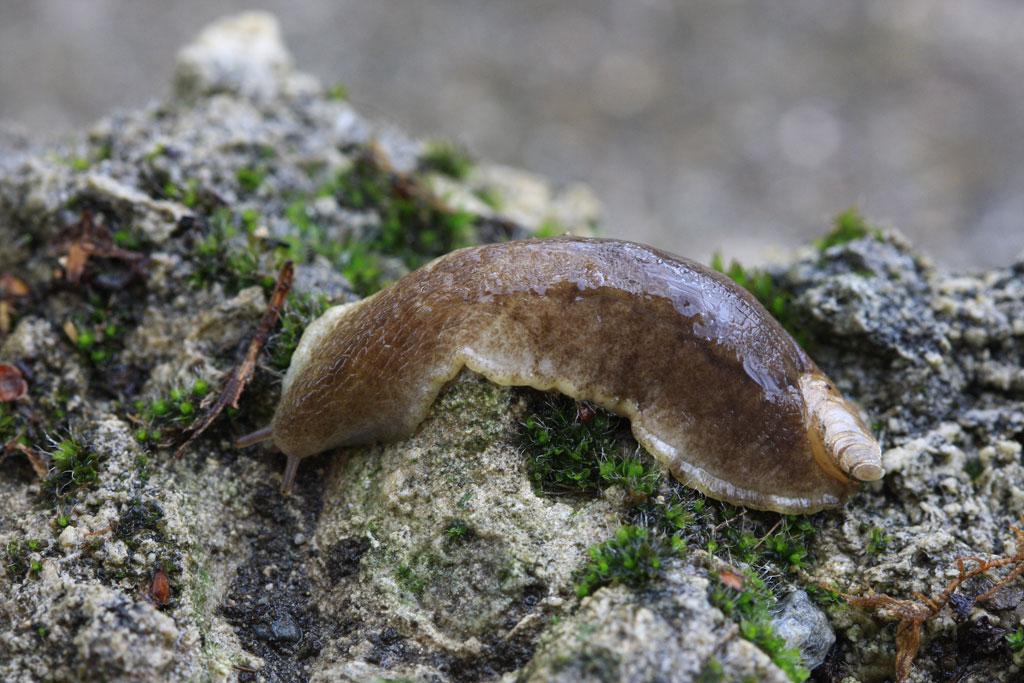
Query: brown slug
x,y
714,388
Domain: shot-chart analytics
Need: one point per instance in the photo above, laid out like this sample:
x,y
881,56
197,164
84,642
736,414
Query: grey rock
x,y
284,628
378,588
241,54
670,634
804,627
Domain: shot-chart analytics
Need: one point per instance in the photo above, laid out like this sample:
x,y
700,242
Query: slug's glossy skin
x,y
713,386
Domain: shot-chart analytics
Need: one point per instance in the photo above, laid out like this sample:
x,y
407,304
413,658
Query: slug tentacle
x,y
253,438
291,468
713,386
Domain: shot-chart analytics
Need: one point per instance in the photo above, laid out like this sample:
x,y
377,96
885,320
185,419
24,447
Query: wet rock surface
x,y
444,557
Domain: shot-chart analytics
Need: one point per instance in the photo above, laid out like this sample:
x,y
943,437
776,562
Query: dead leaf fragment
x,y
160,588
12,383
11,288
731,579
94,240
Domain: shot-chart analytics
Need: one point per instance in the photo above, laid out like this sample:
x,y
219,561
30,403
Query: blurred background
x,y
702,125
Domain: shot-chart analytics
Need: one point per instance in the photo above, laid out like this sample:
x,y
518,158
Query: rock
x,y
670,634
284,628
70,538
157,219
241,54
440,557
804,627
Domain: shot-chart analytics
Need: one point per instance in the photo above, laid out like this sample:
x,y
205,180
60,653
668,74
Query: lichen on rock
x,y
441,557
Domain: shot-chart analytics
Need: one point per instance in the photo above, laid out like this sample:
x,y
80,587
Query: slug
x,y
714,388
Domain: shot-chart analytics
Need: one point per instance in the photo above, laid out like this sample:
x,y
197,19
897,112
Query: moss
x,y
229,253
974,468
84,163
550,227
458,531
1015,639
567,455
847,227
410,580
97,329
750,606
73,467
772,543
8,424
788,546
298,312
590,663
489,196
362,268
172,412
126,239
877,540
187,194
412,226
158,151
250,178
776,543
311,239
337,93
17,562
712,672
826,596
633,557
447,159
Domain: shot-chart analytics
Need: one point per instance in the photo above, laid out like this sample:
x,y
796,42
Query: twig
x,y
242,373
912,614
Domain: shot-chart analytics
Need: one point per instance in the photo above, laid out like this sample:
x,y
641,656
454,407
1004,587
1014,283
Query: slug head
x,y
840,440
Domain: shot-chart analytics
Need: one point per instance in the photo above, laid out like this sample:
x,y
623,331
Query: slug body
x,y
713,386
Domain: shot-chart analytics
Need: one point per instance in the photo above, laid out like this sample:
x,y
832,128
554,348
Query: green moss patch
x,y
571,454
447,159
633,557
229,252
73,467
413,226
847,227
747,600
17,560
299,311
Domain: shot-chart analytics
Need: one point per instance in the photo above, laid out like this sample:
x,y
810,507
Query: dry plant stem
x,y
37,461
242,373
912,614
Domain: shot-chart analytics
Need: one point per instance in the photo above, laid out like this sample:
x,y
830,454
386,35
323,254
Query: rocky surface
x,y
443,557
